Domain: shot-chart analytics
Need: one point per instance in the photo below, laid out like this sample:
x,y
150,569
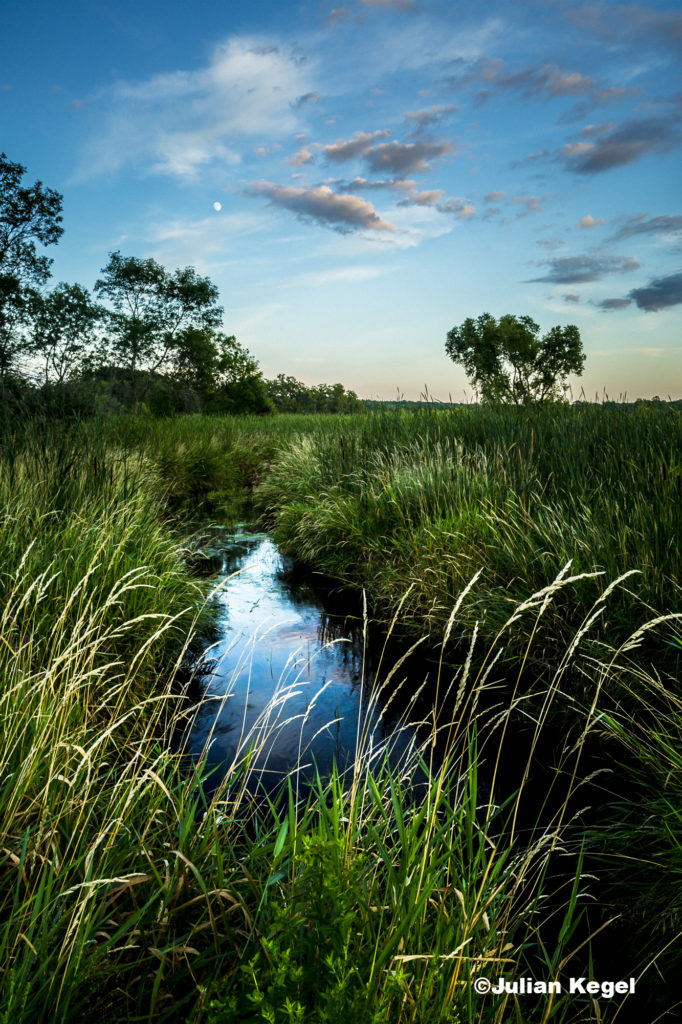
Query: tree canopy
x,y
63,330
150,309
221,370
28,215
292,395
507,361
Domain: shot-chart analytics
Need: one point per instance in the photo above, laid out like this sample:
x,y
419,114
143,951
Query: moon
x,y
217,207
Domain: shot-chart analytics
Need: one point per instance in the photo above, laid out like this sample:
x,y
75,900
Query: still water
x,y
290,678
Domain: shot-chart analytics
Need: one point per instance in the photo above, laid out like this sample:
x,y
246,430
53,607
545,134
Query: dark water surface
x,y
289,675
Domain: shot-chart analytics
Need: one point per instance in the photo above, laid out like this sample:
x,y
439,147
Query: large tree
x,y
288,393
28,215
507,361
220,371
291,395
150,309
63,330
239,384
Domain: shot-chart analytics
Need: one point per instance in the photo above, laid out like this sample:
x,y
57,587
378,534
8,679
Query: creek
x,y
289,685
291,677
297,681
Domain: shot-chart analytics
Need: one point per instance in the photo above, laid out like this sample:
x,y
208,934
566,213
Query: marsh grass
x,y
127,892
638,842
422,500
394,501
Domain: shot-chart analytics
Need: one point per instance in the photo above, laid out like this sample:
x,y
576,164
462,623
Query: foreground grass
x,y
125,896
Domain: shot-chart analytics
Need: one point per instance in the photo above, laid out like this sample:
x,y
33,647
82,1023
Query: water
x,y
290,678
292,682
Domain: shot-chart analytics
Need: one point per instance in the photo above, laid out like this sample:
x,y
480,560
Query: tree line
x,y
149,338
146,338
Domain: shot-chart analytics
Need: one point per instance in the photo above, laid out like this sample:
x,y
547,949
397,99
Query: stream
x,y
290,677
287,689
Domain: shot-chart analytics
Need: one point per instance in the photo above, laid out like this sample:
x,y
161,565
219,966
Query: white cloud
x,y
304,156
338,274
176,123
349,149
207,243
428,197
533,204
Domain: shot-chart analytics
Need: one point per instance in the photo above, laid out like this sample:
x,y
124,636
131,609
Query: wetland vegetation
x,y
513,571
536,550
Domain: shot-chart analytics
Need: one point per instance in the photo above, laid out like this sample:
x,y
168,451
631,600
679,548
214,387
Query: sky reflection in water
x,y
277,638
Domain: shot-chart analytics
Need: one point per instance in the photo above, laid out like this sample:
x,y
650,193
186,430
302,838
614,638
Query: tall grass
x,y
127,893
95,598
423,500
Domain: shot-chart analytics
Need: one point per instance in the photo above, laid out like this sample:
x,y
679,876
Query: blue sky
x,y
358,177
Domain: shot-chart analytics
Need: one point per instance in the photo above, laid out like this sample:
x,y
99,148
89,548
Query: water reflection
x,y
288,678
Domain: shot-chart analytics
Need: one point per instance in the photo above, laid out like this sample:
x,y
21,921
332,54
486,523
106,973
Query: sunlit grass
x,y
127,893
421,501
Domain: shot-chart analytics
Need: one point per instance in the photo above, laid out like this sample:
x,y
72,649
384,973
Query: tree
x,y
288,393
150,309
291,395
213,371
64,323
507,361
334,398
239,382
16,303
27,215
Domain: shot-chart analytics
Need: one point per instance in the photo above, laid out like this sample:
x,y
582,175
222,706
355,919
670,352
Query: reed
x,y
421,501
128,893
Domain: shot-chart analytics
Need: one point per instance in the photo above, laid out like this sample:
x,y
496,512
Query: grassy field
x,y
124,895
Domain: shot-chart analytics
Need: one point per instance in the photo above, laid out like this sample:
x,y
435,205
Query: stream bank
x,y
288,688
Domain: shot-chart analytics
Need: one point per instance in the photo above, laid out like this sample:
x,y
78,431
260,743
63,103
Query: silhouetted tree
x,y
63,330
150,310
28,215
224,373
292,395
507,361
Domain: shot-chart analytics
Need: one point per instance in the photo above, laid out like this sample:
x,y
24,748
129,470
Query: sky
x,y
359,176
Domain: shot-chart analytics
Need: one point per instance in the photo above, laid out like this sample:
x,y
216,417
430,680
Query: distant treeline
x,y
375,404
146,338
410,404
290,395
102,390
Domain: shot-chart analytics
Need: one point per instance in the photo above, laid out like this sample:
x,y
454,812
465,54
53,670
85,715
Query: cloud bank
x,y
633,141
579,269
398,158
639,224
